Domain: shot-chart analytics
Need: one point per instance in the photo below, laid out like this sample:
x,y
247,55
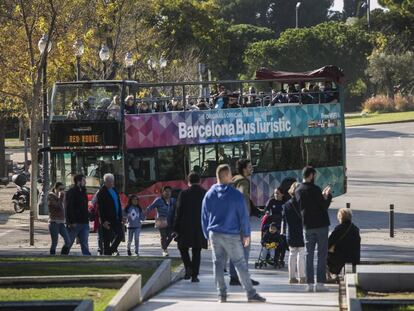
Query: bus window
x,y
291,157
203,160
94,166
323,151
171,163
230,153
263,156
140,170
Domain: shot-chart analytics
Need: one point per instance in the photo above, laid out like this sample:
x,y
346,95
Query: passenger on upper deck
x,y
201,104
293,94
331,95
306,98
144,108
130,107
74,112
176,105
279,97
86,109
221,100
114,109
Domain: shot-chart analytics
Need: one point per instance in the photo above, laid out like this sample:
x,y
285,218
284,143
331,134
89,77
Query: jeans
x,y
296,262
55,229
313,237
133,233
111,238
81,231
166,238
193,264
229,246
246,251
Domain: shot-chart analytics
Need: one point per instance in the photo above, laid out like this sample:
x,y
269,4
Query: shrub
x,y
379,103
402,103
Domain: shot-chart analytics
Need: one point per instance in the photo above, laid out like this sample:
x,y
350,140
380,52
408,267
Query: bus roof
x,y
332,73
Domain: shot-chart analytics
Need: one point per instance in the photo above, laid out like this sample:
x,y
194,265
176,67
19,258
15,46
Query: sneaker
x,y
255,283
321,288
195,279
256,298
302,280
165,254
293,281
129,252
222,299
137,254
234,282
309,288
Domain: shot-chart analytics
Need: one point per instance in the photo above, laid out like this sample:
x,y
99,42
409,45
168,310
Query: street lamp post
x,y
129,62
43,42
79,49
369,13
297,14
104,56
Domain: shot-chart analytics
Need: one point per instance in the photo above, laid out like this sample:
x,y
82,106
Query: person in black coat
x,y
110,213
314,204
77,218
187,226
344,243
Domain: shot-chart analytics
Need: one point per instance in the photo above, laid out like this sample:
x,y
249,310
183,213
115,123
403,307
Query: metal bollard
x,y
348,205
391,220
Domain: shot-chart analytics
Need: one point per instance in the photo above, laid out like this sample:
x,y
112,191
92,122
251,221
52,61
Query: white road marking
x,y
379,152
361,153
398,153
5,232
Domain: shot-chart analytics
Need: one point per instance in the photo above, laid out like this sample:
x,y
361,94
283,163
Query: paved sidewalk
x,y
185,295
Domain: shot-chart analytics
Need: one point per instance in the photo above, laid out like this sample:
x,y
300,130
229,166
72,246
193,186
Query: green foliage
x,y
309,48
277,15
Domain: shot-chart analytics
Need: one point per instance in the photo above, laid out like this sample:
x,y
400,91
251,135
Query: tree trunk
x,y
34,168
2,147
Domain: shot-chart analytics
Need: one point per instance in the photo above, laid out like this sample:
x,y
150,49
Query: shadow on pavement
x,y
368,132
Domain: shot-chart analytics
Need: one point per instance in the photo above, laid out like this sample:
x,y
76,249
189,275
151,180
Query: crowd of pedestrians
x,y
296,220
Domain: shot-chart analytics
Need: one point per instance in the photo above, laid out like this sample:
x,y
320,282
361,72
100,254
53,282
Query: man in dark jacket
x,y
110,213
187,226
314,204
76,204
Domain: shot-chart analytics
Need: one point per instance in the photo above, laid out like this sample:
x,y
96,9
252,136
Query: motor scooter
x,y
21,198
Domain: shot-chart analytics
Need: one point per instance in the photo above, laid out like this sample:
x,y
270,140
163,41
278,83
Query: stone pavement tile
x,y
185,295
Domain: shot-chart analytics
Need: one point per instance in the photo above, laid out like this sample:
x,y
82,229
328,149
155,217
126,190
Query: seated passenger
x,y
306,98
201,104
221,100
176,105
191,104
102,109
74,112
233,101
86,109
293,94
331,95
279,97
130,107
143,107
315,92
223,158
114,109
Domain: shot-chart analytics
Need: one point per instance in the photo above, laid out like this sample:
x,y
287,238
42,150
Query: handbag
x,y
161,222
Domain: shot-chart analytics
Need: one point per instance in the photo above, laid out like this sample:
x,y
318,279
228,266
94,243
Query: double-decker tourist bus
x,y
153,134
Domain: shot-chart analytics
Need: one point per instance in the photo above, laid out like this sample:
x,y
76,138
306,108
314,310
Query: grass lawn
x,y
100,296
52,266
387,307
374,118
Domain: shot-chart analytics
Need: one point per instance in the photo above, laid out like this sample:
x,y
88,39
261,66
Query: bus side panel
x,y
263,184
147,196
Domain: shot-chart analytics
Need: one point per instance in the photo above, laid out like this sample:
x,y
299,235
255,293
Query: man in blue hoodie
x,y
224,216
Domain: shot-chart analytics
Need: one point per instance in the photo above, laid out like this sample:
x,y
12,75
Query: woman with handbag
x,y
164,219
344,244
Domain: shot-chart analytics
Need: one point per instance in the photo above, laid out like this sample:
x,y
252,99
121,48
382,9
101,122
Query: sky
x,y
338,5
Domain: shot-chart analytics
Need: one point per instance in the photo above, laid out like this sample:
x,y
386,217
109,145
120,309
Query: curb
x,y
160,280
178,275
379,123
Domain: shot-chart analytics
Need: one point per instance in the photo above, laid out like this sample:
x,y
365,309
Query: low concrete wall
x,y
128,296
388,278
158,281
351,293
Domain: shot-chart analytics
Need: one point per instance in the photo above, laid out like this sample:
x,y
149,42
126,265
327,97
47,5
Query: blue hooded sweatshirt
x,y
224,211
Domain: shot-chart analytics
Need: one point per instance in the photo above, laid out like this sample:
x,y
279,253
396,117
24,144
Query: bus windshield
x,y
86,101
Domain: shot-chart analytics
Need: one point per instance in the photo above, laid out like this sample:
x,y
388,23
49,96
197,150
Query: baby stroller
x,y
276,242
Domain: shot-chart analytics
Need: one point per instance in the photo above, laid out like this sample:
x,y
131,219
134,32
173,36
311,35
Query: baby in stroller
x,y
271,240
